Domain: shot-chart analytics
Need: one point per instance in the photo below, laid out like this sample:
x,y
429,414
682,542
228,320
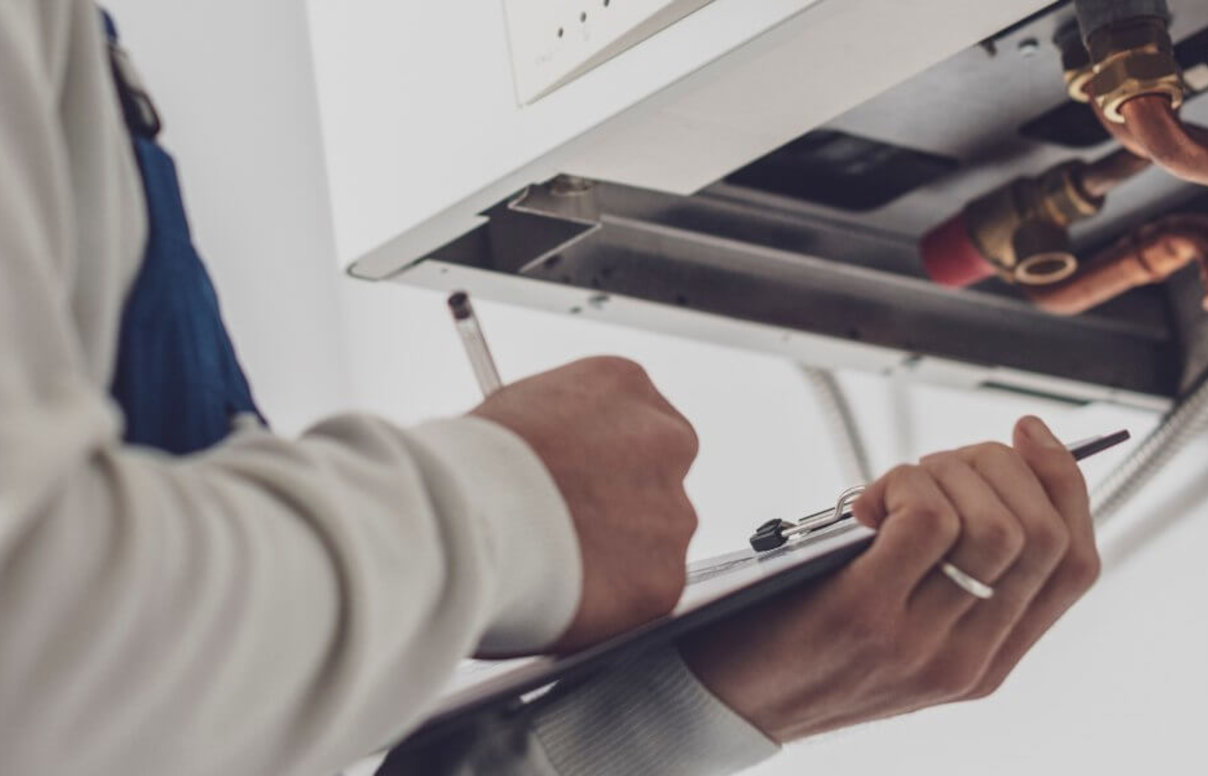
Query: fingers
x,y
1057,472
618,452
1016,519
987,625
676,436
1041,484
1076,575
918,527
991,540
1076,571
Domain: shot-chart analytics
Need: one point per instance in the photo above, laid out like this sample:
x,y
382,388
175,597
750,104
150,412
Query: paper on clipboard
x,y
708,581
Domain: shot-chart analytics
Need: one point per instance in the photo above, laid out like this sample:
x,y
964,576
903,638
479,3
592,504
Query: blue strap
x,y
177,377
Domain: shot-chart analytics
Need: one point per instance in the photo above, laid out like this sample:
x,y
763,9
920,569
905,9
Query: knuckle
x,y
686,517
675,440
1051,539
916,498
661,595
934,521
940,462
1083,568
985,688
621,369
992,454
684,438
904,474
692,440
942,465
1004,534
954,676
900,475
669,594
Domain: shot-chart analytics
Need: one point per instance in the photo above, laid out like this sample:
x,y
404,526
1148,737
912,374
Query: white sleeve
x,y
649,715
273,606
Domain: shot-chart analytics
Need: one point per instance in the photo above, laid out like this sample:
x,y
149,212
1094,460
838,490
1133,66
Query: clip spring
x,y
777,533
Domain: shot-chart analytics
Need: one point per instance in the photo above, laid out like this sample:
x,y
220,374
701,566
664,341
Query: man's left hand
x,y
889,633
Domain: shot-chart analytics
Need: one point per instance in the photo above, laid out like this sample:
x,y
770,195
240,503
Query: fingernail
x,y
1037,432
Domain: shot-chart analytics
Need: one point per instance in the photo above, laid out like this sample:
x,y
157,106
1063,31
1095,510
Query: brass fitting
x,y
1132,58
1076,82
1021,227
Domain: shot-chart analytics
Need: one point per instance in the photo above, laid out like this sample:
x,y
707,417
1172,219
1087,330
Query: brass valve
x,y
1021,227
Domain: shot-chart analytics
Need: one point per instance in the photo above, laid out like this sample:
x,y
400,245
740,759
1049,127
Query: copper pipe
x,y
1152,130
1151,254
1120,132
1098,178
1181,149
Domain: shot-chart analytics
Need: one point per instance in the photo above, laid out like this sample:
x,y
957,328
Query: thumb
x,y
1056,469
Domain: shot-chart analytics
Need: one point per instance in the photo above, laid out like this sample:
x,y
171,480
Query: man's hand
x,y
619,453
889,633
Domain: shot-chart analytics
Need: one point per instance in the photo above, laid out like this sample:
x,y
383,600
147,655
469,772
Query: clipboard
x,y
785,555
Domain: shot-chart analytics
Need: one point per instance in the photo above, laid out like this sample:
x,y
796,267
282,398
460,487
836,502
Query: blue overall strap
x,y
177,378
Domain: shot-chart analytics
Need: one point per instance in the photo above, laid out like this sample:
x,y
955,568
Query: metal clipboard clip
x,y
777,533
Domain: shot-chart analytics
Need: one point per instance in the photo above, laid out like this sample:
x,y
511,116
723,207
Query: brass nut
x,y
1062,199
1076,81
1134,73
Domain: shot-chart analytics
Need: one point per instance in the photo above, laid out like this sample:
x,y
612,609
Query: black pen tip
x,y
459,303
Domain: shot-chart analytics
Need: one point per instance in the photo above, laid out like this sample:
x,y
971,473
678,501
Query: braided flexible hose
x,y
841,423
1185,421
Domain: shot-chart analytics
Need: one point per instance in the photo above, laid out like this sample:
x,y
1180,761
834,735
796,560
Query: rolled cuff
x,y
650,716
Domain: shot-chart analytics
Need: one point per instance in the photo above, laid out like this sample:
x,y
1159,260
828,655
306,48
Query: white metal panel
x,y
423,130
555,41
798,346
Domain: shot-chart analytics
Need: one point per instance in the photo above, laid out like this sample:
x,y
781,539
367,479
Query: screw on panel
x,y
1029,47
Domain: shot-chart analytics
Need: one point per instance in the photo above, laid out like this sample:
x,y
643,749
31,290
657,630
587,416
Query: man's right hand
x,y
619,453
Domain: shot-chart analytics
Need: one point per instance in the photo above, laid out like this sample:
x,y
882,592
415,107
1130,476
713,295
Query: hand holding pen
x,y
618,453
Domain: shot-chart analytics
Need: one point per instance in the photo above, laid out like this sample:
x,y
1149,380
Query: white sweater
x,y
272,606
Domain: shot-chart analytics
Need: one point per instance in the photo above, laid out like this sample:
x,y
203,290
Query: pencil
x,y
475,343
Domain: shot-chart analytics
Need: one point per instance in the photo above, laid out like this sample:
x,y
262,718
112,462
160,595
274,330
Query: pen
x,y
1088,447
475,344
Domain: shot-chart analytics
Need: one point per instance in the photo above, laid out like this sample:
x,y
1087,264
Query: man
x,y
276,606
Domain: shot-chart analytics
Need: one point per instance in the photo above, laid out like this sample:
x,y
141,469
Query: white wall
x,y
233,82
1116,689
